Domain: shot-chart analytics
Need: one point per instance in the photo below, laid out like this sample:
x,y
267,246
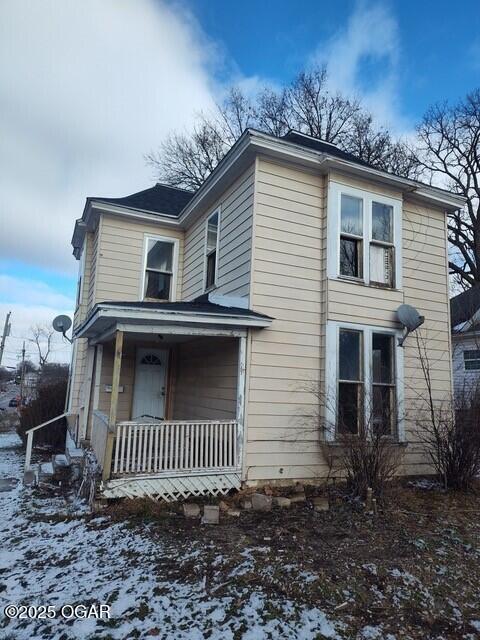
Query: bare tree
x,y
449,151
306,105
42,337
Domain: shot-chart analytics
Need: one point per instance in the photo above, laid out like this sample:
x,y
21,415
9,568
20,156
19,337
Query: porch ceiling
x,y
170,318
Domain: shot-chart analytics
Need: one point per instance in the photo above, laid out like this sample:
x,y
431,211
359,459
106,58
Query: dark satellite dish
x,y
62,324
411,320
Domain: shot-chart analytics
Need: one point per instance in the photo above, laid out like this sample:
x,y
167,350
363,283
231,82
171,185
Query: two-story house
x,y
465,321
213,327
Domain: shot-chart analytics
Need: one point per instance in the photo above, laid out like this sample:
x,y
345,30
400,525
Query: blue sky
x,y
87,88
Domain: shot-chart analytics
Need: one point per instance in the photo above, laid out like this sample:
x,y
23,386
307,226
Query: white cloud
x,y
86,88
363,61
32,303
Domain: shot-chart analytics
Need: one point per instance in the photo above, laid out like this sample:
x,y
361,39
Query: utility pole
x,y
6,333
22,374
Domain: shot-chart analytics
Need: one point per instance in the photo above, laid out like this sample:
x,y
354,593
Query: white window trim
x,y
175,242
218,210
335,191
331,372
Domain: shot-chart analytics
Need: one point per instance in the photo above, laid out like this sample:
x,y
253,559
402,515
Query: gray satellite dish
x,y
411,320
62,324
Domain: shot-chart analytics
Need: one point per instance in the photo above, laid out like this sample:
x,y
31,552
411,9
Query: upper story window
x,y
81,277
471,360
368,232
211,250
160,268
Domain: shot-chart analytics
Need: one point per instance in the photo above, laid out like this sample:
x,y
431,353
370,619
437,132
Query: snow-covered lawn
x,y
53,554
410,573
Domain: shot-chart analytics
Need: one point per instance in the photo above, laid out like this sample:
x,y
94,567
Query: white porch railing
x,y
98,440
171,447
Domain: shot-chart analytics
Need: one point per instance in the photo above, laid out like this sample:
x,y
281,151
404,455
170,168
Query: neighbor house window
x,y
351,237
366,382
368,232
158,282
211,250
472,360
350,381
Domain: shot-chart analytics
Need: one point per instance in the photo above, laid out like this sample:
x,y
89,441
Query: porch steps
x,y
171,489
73,453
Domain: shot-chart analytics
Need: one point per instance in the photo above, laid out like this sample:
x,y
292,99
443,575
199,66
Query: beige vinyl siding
x,y
80,354
205,379
286,358
289,283
93,267
425,285
120,257
234,243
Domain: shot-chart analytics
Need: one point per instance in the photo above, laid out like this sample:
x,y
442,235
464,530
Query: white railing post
x,y
28,453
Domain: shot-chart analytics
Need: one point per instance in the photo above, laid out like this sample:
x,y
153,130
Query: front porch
x,y
164,412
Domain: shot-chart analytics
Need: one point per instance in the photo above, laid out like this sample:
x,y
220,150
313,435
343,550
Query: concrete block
x,y
298,497
282,502
261,502
320,503
191,510
211,514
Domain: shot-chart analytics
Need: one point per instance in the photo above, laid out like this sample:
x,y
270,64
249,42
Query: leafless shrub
x,y
449,432
371,456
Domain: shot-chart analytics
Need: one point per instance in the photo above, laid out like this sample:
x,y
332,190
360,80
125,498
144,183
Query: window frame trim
x,y
173,287
335,191
332,369
217,210
477,359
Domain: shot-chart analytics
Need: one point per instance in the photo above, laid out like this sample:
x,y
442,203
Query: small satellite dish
x,y
62,324
411,320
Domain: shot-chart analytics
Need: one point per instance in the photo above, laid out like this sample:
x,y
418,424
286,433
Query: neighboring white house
x,y
465,321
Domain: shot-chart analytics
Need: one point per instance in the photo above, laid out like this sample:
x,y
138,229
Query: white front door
x,y
150,383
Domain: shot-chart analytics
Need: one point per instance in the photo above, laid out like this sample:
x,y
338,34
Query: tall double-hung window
x,y
365,381
211,250
364,240
160,268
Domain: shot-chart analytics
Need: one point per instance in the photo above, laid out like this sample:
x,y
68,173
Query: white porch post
x,y
117,365
241,378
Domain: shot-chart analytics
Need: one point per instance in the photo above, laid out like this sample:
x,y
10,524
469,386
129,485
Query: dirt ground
x,y
412,570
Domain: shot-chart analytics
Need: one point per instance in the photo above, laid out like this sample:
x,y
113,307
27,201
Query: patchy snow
x,y
54,554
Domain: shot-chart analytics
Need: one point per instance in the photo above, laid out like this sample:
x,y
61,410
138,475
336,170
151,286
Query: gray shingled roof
x,y
317,144
465,305
159,199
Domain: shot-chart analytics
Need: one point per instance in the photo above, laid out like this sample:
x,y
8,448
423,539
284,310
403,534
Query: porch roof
x,y
167,317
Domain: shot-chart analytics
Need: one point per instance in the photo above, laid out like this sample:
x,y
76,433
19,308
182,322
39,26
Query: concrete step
x,y
75,455
46,469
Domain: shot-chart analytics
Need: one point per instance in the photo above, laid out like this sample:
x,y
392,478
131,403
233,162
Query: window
x,y
368,232
81,273
351,237
382,250
211,249
158,269
383,383
366,382
350,381
472,360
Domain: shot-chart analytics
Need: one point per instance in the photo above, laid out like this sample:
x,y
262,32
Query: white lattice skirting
x,y
171,489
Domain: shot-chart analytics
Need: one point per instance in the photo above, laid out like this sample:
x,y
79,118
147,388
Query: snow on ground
x,y
53,553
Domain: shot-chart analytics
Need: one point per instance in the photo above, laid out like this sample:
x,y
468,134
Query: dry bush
x,y
50,402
